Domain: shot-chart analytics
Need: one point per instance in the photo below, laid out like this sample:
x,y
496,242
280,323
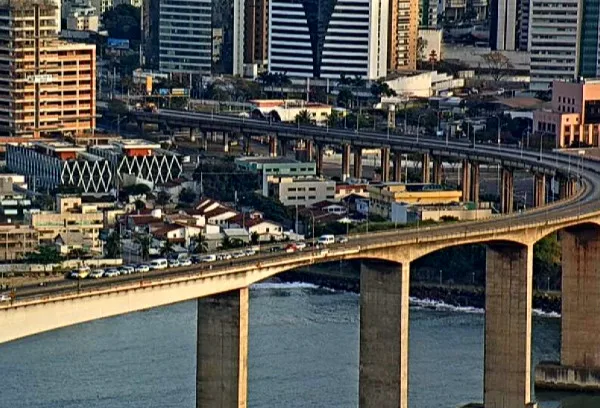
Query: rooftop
x,y
266,160
135,144
59,147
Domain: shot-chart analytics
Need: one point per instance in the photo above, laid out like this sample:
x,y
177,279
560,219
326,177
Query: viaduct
x,y
222,290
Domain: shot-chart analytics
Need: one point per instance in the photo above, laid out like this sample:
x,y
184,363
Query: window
x,y
330,197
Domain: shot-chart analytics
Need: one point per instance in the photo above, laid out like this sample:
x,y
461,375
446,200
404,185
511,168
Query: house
x,y
330,207
344,190
174,233
209,211
266,230
174,187
356,203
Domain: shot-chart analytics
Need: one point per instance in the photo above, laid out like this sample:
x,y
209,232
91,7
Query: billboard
x,y
179,91
118,43
163,91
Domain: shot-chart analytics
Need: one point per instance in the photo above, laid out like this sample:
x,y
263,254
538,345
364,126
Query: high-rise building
x,y
184,36
554,42
428,12
256,32
509,25
47,86
228,21
325,38
403,31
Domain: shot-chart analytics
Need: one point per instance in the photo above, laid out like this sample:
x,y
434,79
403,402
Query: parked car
x,y
142,268
173,263
276,249
238,254
159,264
300,246
80,273
109,273
342,240
4,297
250,252
185,262
196,259
291,248
96,274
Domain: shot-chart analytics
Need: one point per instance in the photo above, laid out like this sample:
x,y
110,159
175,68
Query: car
x,y
276,249
142,268
173,263
225,257
4,297
196,259
341,240
300,246
159,264
185,262
126,270
74,274
250,252
109,273
96,274
291,248
209,258
238,254
326,239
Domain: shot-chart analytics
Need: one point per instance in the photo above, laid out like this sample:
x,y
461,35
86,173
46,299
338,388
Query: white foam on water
x,y
284,285
438,305
540,312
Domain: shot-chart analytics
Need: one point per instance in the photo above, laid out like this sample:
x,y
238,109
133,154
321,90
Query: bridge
x,y
221,289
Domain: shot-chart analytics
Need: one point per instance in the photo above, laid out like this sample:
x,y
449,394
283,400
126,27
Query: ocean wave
x,y
438,305
542,313
284,285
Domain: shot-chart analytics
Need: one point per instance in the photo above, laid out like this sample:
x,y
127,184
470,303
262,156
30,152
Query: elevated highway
x,y
221,288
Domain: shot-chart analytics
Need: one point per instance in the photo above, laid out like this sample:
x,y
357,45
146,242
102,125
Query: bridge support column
x,y
357,170
506,191
397,166
247,141
474,196
345,161
273,146
437,170
192,134
466,180
283,147
425,172
222,360
141,126
319,159
226,142
539,190
383,376
508,298
385,164
310,149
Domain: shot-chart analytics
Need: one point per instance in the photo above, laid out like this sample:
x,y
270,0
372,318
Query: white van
x,y
159,264
326,240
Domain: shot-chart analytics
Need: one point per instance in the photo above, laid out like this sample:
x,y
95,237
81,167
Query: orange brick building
x,y
47,86
574,116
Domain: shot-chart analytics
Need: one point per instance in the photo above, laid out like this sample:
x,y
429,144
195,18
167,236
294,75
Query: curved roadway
x,y
585,204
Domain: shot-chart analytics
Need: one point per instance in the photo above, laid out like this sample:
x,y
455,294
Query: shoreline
x,y
460,296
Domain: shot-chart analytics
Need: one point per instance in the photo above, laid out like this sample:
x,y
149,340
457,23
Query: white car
x,y
300,246
126,270
238,254
225,257
208,258
142,268
250,252
96,274
109,273
4,297
74,274
173,263
185,262
342,240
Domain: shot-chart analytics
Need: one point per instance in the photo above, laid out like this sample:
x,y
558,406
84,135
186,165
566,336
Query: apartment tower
x,y
47,86
256,32
403,32
509,25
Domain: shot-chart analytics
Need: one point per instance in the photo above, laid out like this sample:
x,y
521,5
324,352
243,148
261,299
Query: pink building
x,y
575,113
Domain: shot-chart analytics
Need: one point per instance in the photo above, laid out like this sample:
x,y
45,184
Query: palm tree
x,y
254,238
167,248
304,118
113,245
144,241
200,244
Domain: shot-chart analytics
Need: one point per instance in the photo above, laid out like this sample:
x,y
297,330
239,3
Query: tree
x,y
187,196
200,244
282,81
498,64
421,47
229,243
345,98
163,198
117,107
44,202
144,241
167,248
113,245
254,238
45,254
139,205
381,88
547,260
123,21
344,80
304,118
77,253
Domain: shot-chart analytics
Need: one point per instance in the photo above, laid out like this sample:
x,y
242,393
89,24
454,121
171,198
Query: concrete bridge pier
x,y
437,170
385,164
425,170
506,191
283,147
508,298
357,170
192,134
474,183
567,187
222,347
226,145
345,161
310,150
247,140
273,146
205,140
539,190
397,166
383,376
319,159
141,125
466,180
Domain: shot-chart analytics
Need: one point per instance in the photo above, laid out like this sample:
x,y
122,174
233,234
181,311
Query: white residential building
x,y
306,42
